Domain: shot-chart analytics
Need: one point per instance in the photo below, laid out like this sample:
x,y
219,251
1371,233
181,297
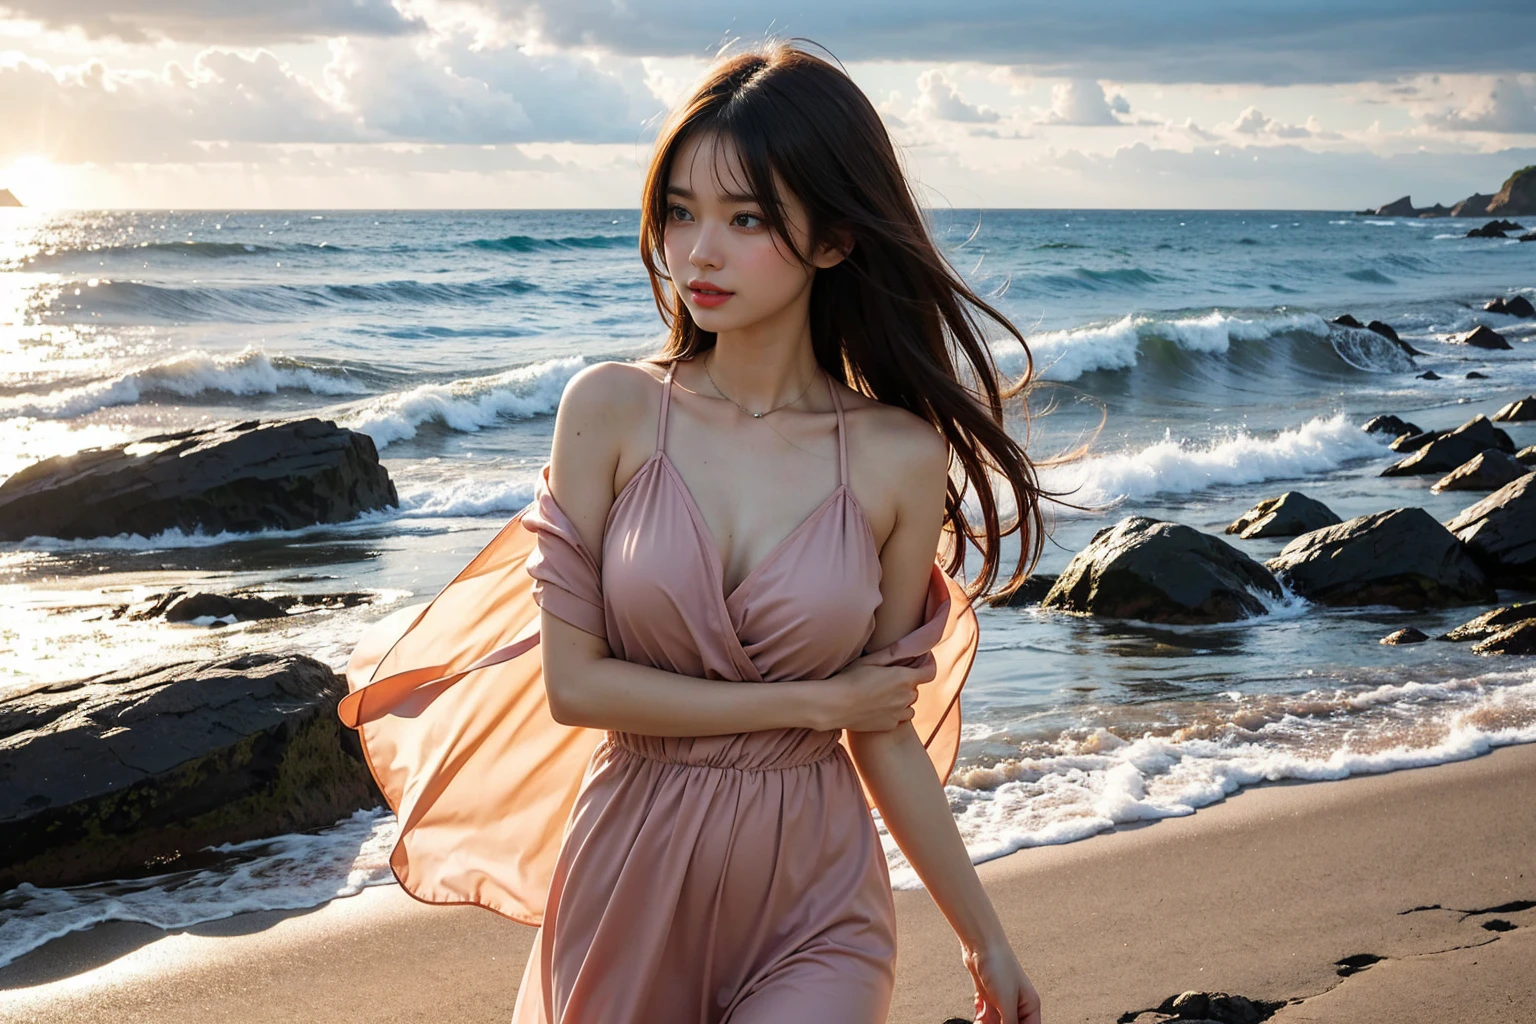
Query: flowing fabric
x,y
680,878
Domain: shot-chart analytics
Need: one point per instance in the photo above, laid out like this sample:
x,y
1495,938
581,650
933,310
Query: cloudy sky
x,y
1316,104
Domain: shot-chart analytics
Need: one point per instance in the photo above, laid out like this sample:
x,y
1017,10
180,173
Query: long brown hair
x,y
889,320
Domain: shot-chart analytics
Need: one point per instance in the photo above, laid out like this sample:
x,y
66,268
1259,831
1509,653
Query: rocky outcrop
x,y
1485,471
1500,532
1389,424
1446,452
242,477
1396,208
1387,331
1406,443
1399,557
1475,205
1517,197
1345,320
1519,306
1489,623
1406,635
177,605
1480,337
1495,229
125,776
1517,639
1527,456
1518,411
1157,571
1429,375
1290,514
1033,589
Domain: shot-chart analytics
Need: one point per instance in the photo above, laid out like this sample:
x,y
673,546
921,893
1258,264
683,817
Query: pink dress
x,y
708,879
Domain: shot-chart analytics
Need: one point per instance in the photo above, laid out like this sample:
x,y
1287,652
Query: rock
x,y
126,776
1518,411
1500,532
1527,456
1438,210
1489,623
1529,236
1215,1008
1389,424
1408,635
1387,331
1413,442
1517,197
1448,451
221,606
1518,306
1480,337
1485,471
1396,208
1475,205
1142,568
1347,321
1399,557
1474,375
1286,516
1489,230
1429,375
1516,639
1030,592
249,476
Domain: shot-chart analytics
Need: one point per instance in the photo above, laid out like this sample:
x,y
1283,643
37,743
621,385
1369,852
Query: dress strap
x,y
842,434
666,397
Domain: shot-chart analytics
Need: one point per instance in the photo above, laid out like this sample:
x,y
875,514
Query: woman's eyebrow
x,y
733,197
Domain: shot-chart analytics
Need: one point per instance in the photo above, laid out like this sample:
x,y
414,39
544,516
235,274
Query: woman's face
x,y
730,269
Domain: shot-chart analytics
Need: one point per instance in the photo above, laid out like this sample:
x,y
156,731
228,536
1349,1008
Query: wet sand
x,y
1261,896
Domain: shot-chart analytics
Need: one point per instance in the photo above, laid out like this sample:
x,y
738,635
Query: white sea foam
x,y
248,372
1067,355
1178,467
466,405
1097,779
466,496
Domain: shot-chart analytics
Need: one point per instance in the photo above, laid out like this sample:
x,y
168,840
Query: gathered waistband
x,y
772,750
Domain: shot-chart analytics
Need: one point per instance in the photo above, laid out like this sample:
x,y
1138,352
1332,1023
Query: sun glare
x,y
35,181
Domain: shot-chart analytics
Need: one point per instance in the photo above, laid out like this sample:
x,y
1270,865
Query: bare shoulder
x,y
610,390
900,446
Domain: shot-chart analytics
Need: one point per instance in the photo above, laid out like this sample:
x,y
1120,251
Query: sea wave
x,y
530,243
1174,466
249,372
466,405
1067,787
138,302
68,256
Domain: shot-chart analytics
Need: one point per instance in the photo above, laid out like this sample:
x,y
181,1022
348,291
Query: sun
x,y
36,181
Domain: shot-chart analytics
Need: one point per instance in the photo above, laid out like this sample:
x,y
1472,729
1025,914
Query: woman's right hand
x,y
869,695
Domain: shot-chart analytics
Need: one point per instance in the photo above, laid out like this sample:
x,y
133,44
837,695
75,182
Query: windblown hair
x,y
893,320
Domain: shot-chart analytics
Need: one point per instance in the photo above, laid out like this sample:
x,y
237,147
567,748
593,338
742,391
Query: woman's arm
x,y
895,766
603,406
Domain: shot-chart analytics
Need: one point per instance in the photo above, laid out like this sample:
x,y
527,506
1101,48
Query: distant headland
x,y
7,198
1516,199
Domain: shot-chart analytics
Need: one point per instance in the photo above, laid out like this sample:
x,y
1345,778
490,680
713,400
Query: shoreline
x,y
1257,895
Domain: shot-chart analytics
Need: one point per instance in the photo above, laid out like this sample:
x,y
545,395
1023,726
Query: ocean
x,y
448,337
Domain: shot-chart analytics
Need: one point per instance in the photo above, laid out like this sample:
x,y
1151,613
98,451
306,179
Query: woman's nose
x,y
706,249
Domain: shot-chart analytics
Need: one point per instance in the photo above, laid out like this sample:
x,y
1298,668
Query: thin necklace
x,y
749,412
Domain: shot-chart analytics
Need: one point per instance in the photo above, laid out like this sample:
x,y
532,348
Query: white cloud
x,y
939,100
1082,101
1253,121
1496,105
224,21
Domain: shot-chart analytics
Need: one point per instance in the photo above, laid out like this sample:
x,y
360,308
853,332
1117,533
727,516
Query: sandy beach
x,y
1261,895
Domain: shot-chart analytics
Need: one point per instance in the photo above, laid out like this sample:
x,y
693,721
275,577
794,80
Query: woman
x,y
759,504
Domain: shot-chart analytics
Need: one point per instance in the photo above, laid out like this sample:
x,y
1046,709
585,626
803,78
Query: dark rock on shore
x,y
221,606
1407,635
1399,557
1474,375
1387,331
126,776
1389,424
1489,623
1286,516
1517,639
242,477
1413,442
1485,471
1446,452
1518,306
1518,411
1429,375
1493,229
1527,456
176,605
1500,532
1347,321
1157,571
1480,337
1032,591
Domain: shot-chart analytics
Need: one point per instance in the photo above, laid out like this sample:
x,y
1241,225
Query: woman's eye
x,y
678,213
754,219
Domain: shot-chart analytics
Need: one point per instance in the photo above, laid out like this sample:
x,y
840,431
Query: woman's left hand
x,y
1004,993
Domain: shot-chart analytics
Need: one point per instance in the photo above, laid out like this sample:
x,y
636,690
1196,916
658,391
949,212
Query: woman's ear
x,y
833,251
